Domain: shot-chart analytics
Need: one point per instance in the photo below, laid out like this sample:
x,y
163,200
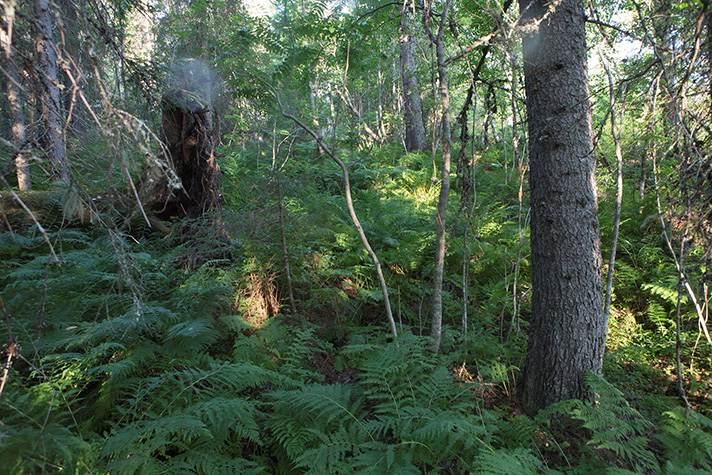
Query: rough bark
x,y
567,329
415,137
187,133
22,153
17,118
49,90
709,56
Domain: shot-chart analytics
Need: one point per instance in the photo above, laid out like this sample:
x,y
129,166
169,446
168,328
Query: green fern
x,y
506,461
614,425
687,437
406,415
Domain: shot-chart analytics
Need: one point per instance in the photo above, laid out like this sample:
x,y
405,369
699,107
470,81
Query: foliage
x,y
613,426
141,353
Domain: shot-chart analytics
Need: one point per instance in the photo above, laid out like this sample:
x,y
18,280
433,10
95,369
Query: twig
x,y
349,204
11,350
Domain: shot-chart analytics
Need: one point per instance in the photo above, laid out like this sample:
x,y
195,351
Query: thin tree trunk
x,y
17,118
515,110
381,123
709,58
441,213
619,194
285,249
702,321
465,245
472,97
678,340
487,121
522,225
22,154
352,211
651,143
283,234
415,137
49,92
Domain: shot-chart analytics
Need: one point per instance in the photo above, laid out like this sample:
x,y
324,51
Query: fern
x,y
298,413
406,415
687,438
614,425
193,335
192,411
331,455
506,461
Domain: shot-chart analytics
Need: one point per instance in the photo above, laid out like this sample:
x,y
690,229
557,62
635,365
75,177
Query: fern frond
x,y
208,462
614,424
329,404
331,454
224,416
687,438
224,379
191,336
155,437
505,462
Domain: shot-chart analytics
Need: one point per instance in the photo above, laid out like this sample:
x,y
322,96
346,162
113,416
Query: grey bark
x,y
22,153
17,117
567,331
415,137
352,211
441,213
49,91
615,131
708,26
515,110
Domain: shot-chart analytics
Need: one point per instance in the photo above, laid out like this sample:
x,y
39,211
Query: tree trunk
x,y
17,118
22,157
567,331
49,91
518,162
709,58
441,213
415,138
615,132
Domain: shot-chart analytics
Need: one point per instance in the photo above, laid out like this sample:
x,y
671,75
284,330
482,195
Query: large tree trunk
x,y
567,330
49,91
415,138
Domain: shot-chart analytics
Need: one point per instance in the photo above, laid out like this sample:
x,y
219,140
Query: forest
x,y
356,237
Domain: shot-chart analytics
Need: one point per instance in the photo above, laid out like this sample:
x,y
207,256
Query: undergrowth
x,y
144,355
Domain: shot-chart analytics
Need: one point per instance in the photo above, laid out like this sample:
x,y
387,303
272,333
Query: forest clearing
x,y
356,237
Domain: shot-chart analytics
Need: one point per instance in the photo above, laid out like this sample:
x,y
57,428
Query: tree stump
x,y
187,132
